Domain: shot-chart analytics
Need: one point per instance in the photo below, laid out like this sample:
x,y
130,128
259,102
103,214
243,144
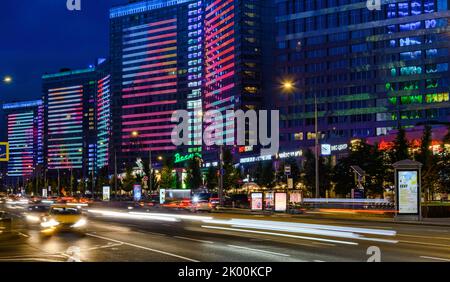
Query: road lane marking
x,y
316,260
435,258
432,237
425,243
31,259
280,234
24,235
258,250
194,240
142,247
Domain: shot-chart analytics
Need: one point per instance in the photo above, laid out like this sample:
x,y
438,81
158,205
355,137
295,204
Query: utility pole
x,y
115,174
59,181
93,180
316,124
150,169
221,176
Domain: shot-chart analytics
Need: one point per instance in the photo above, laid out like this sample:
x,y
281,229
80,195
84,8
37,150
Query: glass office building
x,y
194,55
25,137
70,120
369,70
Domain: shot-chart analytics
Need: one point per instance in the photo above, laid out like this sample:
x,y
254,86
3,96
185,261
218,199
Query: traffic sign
x,y
4,151
287,170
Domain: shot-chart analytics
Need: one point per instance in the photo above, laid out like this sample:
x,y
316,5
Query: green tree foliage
x,y
168,180
308,173
264,174
212,178
231,174
371,160
129,180
194,179
400,149
102,179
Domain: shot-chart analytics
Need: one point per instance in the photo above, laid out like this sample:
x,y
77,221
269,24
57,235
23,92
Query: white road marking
x,y
258,250
142,247
435,258
280,234
24,235
425,243
316,260
194,240
418,236
31,259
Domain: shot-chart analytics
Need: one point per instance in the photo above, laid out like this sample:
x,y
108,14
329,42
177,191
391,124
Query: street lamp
x,y
288,86
7,79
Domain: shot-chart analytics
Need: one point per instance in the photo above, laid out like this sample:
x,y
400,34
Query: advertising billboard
x,y
408,194
280,201
106,193
4,151
137,192
162,196
257,201
268,200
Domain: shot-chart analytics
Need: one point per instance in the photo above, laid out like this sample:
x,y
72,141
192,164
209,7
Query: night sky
x,y
40,36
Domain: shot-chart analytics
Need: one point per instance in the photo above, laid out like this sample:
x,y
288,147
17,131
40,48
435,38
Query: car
x,y
5,222
63,218
201,205
35,213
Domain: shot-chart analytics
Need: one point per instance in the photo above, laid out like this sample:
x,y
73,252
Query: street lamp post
x,y
317,156
289,86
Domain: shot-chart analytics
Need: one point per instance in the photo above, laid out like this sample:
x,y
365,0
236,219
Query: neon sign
x,y
180,158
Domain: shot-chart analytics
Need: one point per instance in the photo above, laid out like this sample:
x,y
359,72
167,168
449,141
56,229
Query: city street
x,y
166,236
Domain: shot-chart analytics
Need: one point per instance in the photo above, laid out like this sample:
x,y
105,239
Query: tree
x,y
430,172
129,180
102,178
308,173
400,148
231,174
194,179
368,158
167,178
212,178
265,174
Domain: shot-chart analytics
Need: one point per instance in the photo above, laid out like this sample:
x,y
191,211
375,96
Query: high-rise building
x,y
77,120
369,70
194,55
149,64
25,137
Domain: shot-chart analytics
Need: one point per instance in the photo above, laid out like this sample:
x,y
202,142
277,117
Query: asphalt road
x,y
124,237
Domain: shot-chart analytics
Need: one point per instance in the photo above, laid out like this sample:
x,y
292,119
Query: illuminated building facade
x,y
370,70
149,57
76,101
194,55
25,137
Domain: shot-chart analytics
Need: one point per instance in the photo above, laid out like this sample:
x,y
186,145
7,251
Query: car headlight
x,y
32,218
50,223
80,223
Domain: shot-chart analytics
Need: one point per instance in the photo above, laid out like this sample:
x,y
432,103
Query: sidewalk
x,y
335,216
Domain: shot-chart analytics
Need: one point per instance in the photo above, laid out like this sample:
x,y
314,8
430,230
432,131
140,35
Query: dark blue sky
x,y
41,36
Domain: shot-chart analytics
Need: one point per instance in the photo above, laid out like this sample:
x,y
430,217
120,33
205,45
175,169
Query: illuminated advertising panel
x,y
162,196
106,193
268,200
137,192
4,152
280,202
408,194
257,201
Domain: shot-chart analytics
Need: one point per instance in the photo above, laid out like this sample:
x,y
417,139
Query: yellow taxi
x,y
63,217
